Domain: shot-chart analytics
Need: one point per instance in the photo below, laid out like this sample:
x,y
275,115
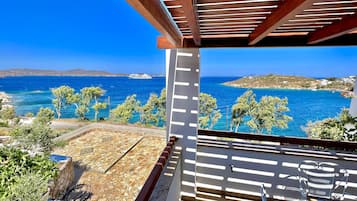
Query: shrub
x,y
44,116
15,163
35,137
7,113
29,114
4,124
28,187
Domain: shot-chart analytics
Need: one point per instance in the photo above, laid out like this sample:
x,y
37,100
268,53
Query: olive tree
x,y
62,98
148,112
98,106
343,127
209,114
244,104
161,106
124,112
269,112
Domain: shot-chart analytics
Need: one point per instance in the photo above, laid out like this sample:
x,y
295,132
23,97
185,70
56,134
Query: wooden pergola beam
x,y
191,15
269,41
156,14
286,10
346,25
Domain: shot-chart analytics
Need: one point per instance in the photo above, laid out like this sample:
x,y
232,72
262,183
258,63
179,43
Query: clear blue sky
x,y
109,35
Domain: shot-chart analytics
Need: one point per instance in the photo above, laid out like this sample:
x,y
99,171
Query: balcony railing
x,y
235,165
147,189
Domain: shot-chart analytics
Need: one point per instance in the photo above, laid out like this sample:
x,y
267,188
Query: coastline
x,y
6,100
280,88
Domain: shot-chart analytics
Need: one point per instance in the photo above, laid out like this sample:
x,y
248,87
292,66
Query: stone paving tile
x,y
98,149
123,181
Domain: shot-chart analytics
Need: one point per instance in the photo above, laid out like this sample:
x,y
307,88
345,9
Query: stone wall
x,y
64,179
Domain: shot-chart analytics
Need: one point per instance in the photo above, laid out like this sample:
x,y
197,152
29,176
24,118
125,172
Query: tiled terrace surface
x,y
98,150
124,179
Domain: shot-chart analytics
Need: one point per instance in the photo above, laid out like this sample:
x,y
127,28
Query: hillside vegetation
x,y
292,82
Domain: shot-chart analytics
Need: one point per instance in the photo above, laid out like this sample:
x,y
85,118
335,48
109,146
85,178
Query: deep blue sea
x,y
31,93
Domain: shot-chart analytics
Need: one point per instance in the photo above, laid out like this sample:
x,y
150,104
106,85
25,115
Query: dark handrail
x,y
151,181
282,140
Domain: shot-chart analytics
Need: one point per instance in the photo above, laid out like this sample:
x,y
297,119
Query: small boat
x,y
140,76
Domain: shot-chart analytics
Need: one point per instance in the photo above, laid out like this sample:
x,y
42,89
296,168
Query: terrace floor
x,y
114,164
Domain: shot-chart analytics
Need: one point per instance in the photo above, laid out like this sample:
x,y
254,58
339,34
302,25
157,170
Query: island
x,y
273,81
38,72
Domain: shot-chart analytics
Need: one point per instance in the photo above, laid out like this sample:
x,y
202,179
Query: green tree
x,y
62,98
87,95
343,127
124,112
148,112
161,106
209,114
242,108
7,113
44,116
98,106
81,102
269,113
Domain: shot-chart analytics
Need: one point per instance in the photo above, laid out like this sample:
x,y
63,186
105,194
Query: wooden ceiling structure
x,y
251,23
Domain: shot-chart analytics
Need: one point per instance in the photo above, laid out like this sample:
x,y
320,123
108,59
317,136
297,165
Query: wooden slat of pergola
x,y
334,30
285,11
191,16
251,23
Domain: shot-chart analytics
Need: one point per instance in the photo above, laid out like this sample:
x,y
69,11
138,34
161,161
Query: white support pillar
x,y
182,84
353,107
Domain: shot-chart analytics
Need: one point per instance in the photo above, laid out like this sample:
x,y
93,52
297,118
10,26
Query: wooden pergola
x,y
251,23
188,25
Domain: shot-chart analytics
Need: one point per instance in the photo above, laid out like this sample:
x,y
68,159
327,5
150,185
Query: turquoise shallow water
x,y
31,93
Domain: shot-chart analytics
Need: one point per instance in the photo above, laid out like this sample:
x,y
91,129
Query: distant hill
x,y
38,72
293,82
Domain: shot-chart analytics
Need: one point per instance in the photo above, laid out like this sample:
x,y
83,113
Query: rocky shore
x,y
6,99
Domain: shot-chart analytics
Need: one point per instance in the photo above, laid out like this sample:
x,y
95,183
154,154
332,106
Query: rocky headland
x,y
272,81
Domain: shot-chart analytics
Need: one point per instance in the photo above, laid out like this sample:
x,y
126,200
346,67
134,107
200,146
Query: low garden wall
x,y
64,179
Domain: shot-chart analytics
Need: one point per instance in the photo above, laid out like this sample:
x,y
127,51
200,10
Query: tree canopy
x,y
209,114
343,127
62,98
260,116
124,112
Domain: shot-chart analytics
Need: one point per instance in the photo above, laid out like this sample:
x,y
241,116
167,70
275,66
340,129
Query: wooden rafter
x,y
191,15
276,40
287,10
346,25
155,13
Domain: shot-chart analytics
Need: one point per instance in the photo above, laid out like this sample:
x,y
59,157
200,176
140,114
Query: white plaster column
x,y
182,84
